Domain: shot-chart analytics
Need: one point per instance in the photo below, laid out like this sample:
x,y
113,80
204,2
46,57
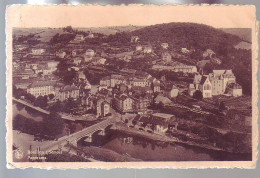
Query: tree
x,y
53,125
29,97
222,106
57,107
41,101
68,29
51,96
160,105
63,72
70,104
198,95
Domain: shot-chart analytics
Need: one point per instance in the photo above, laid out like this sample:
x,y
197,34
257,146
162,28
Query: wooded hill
x,y
198,37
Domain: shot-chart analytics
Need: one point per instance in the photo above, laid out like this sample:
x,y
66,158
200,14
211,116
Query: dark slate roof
x,y
203,79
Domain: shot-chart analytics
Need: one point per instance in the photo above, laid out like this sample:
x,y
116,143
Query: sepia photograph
x,y
159,90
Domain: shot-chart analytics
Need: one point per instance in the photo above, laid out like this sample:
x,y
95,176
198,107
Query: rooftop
x,y
163,115
68,88
42,84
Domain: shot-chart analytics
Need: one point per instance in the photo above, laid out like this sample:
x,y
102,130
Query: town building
x,y
185,51
101,61
164,45
205,87
166,56
91,35
61,54
24,73
38,51
41,88
125,56
156,86
20,83
208,54
148,49
77,60
74,53
221,82
134,39
103,108
90,52
191,89
141,82
20,47
123,103
141,90
52,65
44,70
162,99
116,80
176,68
173,93
105,81
138,48
79,37
141,103
63,92
234,89
215,60
163,122
220,79
81,75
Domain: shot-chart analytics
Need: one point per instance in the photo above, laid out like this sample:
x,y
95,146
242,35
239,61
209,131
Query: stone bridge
x,y
89,131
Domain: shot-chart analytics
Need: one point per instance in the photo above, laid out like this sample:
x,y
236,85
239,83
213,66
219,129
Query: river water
x,y
26,112
144,149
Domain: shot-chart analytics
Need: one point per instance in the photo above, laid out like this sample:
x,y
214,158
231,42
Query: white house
x,y
38,51
185,51
148,49
164,45
90,52
138,48
174,92
205,87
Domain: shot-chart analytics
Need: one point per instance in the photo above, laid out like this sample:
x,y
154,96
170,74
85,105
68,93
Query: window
x,y
207,87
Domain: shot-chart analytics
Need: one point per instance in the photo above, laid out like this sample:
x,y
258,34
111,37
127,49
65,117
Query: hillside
x,y
188,35
198,37
111,30
243,33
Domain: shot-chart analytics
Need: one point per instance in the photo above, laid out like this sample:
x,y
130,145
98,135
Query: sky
x,y
138,15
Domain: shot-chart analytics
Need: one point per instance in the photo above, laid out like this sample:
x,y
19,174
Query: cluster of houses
x,y
130,94
218,82
176,68
24,73
159,123
126,91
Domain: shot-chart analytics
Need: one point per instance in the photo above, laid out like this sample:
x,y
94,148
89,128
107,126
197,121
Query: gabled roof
x,y
218,72
235,86
191,86
203,79
42,84
162,99
68,88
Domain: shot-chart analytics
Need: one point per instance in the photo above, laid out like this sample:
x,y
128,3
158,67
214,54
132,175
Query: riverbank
x,y
93,153
163,138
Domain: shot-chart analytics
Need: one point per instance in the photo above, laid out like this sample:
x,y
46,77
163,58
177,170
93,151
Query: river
x,y
144,149
27,112
150,150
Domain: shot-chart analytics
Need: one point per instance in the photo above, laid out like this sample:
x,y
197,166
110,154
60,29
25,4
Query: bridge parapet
x,y
87,132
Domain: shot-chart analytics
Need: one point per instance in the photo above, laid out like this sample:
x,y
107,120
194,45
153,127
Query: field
x,y
243,33
243,45
45,33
